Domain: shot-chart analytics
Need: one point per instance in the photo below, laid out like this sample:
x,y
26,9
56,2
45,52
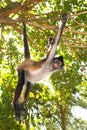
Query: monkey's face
x,y
58,63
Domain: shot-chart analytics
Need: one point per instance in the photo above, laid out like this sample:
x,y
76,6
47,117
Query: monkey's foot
x,y
19,110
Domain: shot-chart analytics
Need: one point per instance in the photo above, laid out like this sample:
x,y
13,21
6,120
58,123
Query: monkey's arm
x,y
57,39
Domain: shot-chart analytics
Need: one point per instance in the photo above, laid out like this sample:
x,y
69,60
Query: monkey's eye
x,y
56,61
59,63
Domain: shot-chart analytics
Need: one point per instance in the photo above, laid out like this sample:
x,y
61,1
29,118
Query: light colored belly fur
x,y
38,75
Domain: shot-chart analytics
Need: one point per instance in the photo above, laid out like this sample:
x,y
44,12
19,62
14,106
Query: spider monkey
x,y
30,71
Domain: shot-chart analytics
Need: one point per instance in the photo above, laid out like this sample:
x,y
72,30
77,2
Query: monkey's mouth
x,y
59,65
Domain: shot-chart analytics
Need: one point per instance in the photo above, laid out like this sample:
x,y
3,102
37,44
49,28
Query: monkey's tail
x,y
26,47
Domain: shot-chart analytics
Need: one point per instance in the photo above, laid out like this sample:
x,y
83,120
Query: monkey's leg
x,y
25,92
18,90
19,86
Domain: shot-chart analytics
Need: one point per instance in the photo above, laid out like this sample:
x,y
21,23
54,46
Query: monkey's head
x,y
58,63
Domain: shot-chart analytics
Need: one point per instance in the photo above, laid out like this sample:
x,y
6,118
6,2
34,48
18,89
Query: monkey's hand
x,y
51,41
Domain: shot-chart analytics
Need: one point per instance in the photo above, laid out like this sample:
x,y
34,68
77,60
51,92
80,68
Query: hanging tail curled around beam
x,y
26,47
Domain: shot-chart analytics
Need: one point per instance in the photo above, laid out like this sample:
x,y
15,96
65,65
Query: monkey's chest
x,y
37,75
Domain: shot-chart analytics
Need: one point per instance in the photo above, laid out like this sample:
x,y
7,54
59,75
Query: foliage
x,y
51,101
